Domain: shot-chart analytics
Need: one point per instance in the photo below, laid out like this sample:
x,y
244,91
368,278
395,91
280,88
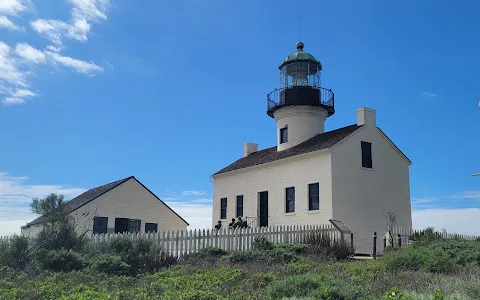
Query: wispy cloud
x,y
13,7
193,193
7,23
467,195
20,62
30,53
83,14
80,66
429,94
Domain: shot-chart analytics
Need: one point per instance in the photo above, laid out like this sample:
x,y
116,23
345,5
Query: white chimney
x,y
367,117
249,148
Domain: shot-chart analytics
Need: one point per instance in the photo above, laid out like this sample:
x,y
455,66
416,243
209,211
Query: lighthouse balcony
x,y
301,95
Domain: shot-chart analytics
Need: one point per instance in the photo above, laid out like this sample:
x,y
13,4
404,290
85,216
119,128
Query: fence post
x,y
384,242
351,243
399,240
374,245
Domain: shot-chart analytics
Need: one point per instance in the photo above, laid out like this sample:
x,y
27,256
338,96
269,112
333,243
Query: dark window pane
x,y
100,224
134,225
283,135
290,199
366,154
151,227
314,196
240,206
223,208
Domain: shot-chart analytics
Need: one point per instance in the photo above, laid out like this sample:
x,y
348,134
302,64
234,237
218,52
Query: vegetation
x,y
433,268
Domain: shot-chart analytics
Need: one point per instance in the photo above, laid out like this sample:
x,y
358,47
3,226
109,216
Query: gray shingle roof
x,y
321,141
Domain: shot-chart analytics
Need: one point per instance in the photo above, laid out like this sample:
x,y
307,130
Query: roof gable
x,y
95,193
319,142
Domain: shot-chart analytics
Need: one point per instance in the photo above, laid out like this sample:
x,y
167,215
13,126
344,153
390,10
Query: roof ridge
x,y
124,179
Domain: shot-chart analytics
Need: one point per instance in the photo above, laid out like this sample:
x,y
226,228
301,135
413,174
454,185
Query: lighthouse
x,y
300,106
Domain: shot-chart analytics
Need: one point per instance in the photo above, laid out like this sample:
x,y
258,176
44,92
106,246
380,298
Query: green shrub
x,y
61,261
141,255
281,253
239,257
15,252
205,255
427,235
60,236
321,246
425,259
111,264
315,286
261,244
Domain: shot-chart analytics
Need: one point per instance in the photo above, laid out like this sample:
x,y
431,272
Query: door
x,y
121,225
263,209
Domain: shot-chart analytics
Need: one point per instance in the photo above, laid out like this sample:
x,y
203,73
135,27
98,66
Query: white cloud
x,y
467,195
76,64
84,13
52,29
202,200
17,64
9,72
8,228
53,48
19,96
199,216
192,193
13,7
15,196
30,53
461,220
13,83
428,94
6,23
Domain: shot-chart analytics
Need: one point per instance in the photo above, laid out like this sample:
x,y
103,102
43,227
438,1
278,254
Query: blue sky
x,y
94,90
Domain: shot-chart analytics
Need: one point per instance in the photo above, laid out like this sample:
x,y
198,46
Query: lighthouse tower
x,y
300,106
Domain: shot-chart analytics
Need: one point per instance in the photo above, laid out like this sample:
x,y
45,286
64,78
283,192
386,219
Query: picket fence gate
x,y
181,242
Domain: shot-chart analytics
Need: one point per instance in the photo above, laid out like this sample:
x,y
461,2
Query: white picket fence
x,y
179,243
405,235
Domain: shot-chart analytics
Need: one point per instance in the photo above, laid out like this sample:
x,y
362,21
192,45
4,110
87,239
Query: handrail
x,y
276,98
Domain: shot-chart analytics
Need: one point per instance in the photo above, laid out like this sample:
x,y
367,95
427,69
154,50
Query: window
x,y
313,196
284,135
290,199
240,206
366,155
151,227
100,224
223,208
134,225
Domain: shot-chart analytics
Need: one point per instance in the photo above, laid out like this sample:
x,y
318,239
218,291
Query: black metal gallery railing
x,y
301,95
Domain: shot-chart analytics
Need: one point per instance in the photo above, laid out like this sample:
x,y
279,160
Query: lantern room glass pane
x,y
300,73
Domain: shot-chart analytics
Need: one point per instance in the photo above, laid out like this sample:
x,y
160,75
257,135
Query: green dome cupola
x,y
301,55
